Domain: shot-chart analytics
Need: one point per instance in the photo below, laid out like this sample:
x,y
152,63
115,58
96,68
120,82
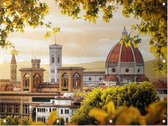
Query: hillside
x,y
93,66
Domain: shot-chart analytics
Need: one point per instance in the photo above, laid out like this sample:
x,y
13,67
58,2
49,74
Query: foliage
x,y
137,95
16,14
156,113
52,118
124,115
9,120
38,123
152,13
16,120
61,121
25,121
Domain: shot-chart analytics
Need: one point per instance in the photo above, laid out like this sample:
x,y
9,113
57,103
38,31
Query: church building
x,y
124,64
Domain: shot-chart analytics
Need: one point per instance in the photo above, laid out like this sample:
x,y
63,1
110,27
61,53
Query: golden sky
x,y
82,41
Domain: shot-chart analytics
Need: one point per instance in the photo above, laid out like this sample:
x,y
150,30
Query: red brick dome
x,y
121,53
111,78
142,78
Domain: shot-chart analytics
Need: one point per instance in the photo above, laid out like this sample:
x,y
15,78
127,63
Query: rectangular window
x,y
58,59
9,108
52,80
25,109
66,111
2,108
42,119
61,111
67,119
16,108
52,59
52,71
37,99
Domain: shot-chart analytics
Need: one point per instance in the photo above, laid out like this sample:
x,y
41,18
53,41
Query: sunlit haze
x,y
82,41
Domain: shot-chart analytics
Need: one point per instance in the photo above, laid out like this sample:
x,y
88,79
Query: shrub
x,y
133,94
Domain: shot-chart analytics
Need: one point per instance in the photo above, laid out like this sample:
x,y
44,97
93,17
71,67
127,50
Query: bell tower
x,y
13,69
55,62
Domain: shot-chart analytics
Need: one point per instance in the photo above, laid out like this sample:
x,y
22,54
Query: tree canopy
x,y
16,14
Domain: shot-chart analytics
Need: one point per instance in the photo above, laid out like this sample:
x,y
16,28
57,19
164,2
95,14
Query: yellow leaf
x,y
153,49
37,123
128,116
52,118
47,35
155,112
99,115
111,107
55,30
15,52
164,50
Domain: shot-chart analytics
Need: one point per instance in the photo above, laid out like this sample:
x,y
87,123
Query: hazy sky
x,y
82,41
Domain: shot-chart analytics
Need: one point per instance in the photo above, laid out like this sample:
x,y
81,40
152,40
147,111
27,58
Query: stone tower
x,y
35,63
55,62
13,69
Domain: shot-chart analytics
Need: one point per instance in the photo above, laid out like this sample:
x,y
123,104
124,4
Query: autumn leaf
x,y
128,116
47,34
55,30
38,123
99,115
111,107
156,111
52,118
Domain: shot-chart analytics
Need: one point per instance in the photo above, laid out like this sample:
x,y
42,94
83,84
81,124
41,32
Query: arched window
x,y
26,80
36,79
65,80
58,59
76,80
52,59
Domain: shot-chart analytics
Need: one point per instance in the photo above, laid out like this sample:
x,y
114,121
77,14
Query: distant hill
x,y
93,66
151,74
